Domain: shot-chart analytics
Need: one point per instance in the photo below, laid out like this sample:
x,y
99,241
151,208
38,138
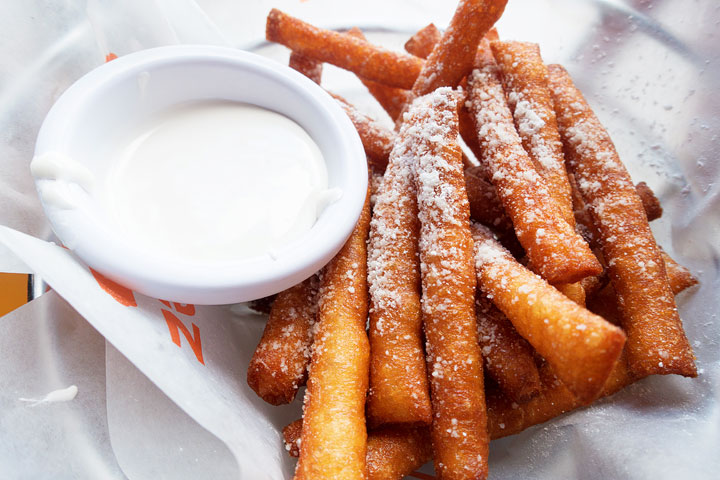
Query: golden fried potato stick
x,y
485,205
583,218
291,437
334,435
508,358
375,184
525,80
345,51
573,291
581,347
376,139
486,208
650,202
492,35
679,277
262,305
393,446
396,451
592,285
460,442
452,58
605,301
555,250
421,44
656,340
468,131
468,128
398,375
583,221
584,224
595,284
279,365
392,99
308,66
392,452
506,417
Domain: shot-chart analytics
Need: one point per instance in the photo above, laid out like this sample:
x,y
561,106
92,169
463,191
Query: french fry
x,y
334,436
583,218
396,451
508,418
592,285
573,291
492,35
505,417
656,340
452,58
581,347
422,43
398,375
392,99
392,452
525,80
460,442
292,434
485,205
279,365
486,208
508,358
308,66
376,181
467,125
555,250
345,51
584,224
262,305
650,202
376,139
468,131
586,237
679,277
605,301
391,447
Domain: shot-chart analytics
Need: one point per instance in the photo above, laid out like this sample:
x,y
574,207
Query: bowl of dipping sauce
x,y
200,174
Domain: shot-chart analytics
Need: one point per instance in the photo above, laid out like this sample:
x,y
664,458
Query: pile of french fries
x,y
500,292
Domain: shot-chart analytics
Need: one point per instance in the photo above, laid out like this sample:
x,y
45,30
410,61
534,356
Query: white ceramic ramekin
x,y
83,125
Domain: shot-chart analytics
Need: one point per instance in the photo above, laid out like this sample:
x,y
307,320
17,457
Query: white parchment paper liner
x,y
147,407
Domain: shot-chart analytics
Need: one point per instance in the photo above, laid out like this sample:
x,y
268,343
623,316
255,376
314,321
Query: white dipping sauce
x,y
62,395
64,175
216,181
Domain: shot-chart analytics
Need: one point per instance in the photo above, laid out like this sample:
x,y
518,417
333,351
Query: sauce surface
x,y
216,181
